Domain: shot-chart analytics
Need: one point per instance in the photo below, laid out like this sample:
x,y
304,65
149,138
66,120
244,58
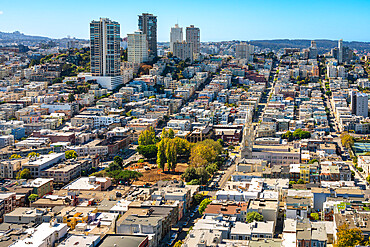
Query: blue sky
x,y
218,20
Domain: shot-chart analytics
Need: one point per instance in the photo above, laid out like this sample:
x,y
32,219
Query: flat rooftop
x,y
83,183
122,240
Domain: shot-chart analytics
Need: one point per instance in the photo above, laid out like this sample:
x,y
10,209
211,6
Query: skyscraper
x,y
137,47
312,54
148,25
244,51
105,47
175,35
105,53
193,36
359,104
340,51
183,50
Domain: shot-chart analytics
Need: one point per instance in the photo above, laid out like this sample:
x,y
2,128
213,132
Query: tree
x,y
315,216
161,155
347,237
32,197
203,205
164,133
287,135
171,154
254,216
148,151
15,156
198,198
292,182
202,175
300,181
124,175
147,137
178,244
118,160
57,80
171,134
231,148
313,161
71,98
24,174
33,154
114,166
212,168
347,140
189,174
300,134
205,152
221,142
194,182
183,147
70,154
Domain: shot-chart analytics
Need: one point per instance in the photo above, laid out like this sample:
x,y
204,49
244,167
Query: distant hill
x,y
322,44
17,37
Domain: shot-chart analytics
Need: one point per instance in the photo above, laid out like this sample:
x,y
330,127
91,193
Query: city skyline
x,y
238,20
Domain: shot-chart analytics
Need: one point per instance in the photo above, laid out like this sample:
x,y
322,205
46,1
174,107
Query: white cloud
x,y
1,12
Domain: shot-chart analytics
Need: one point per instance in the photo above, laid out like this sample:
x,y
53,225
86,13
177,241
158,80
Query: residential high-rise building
x,y
193,36
148,25
359,104
183,50
175,35
105,47
340,51
244,51
312,54
105,53
137,47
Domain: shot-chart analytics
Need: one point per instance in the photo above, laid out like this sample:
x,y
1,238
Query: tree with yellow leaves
x,y
348,237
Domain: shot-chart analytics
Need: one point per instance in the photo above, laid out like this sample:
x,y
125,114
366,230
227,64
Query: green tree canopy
x,y
171,134
71,98
161,155
315,216
300,134
178,244
254,216
313,161
300,181
24,174
147,137
189,174
287,135
203,205
118,160
33,154
124,175
70,154
198,198
15,156
148,151
346,139
32,197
